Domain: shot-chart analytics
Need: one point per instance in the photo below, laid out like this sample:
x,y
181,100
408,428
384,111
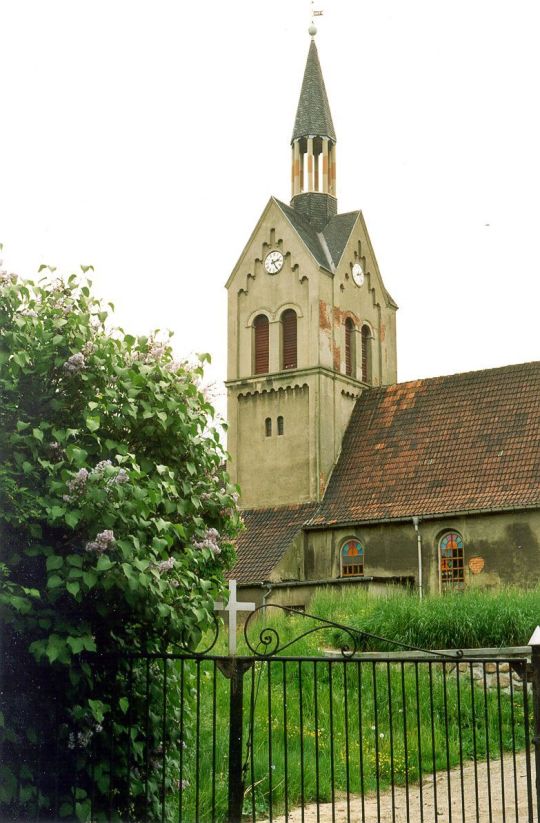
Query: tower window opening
x,y
289,339
280,426
261,335
268,427
366,354
350,348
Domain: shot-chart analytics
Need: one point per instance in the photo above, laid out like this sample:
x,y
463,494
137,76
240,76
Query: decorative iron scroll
x,y
269,641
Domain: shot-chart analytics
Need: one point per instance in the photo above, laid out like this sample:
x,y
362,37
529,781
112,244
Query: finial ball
x,y
312,30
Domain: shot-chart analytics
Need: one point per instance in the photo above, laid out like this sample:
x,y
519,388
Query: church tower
x,y
310,323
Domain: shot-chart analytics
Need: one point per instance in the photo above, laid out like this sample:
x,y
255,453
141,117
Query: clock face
x,y
273,262
358,274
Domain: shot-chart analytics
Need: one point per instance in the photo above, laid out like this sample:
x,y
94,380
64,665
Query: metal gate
x,y
412,736
345,736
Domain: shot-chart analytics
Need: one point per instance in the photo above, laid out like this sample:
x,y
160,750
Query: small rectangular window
x,y
268,426
280,425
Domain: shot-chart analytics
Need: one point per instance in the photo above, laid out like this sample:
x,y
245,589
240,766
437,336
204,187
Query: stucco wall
x,y
509,544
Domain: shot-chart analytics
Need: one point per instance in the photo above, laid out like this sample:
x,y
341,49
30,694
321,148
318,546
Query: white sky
x,y
146,138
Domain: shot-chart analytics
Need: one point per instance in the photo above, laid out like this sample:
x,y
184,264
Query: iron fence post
x,y
535,663
234,669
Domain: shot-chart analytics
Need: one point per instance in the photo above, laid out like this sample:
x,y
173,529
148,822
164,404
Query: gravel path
x,y
467,803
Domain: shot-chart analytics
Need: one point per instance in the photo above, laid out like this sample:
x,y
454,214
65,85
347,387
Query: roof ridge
x,y
415,381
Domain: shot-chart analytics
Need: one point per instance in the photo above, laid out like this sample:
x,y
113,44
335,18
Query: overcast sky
x,y
146,138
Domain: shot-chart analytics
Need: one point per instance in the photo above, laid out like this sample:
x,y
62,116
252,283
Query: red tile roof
x,y
464,442
268,533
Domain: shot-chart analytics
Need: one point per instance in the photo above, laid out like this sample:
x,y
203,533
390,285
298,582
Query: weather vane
x,y
314,13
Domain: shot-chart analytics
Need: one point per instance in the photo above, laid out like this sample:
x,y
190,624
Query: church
x,y
349,478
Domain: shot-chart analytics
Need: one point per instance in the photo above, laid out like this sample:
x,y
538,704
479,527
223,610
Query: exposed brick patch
x,y
324,316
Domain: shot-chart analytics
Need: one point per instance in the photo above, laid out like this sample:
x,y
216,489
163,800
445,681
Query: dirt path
x,y
467,802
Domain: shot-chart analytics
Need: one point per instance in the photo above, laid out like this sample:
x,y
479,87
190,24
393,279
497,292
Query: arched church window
x,y
261,334
268,427
366,354
352,559
451,561
350,348
280,425
289,339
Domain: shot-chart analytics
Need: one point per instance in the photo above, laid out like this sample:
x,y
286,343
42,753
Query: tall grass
x,y
469,619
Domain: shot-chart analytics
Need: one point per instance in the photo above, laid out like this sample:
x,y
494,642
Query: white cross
x,y
233,607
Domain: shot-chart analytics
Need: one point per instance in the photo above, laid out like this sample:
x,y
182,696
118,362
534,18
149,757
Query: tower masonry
x,y
310,323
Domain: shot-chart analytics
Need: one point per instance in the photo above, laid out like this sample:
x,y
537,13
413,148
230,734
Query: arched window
x,y
352,559
260,328
366,354
280,426
451,561
350,348
288,339
268,427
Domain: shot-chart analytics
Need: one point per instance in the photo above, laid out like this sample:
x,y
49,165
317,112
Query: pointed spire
x,y
313,116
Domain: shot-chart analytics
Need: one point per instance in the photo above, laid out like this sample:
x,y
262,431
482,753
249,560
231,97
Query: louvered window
x,y
261,329
289,338
366,354
350,359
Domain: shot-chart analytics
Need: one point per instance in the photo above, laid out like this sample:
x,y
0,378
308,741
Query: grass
x,y
469,619
324,727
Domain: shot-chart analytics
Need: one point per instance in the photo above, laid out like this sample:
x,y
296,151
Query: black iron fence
x,y
267,737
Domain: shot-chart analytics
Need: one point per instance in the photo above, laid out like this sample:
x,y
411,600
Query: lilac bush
x,y
117,521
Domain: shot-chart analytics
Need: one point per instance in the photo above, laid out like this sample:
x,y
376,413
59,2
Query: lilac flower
x,y
118,479
77,485
175,584
104,540
101,467
74,364
165,565
209,541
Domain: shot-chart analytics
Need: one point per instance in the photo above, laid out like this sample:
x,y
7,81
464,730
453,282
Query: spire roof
x,y
313,113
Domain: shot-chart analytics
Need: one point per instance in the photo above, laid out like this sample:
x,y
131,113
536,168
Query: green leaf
x,y
54,581
22,426
75,560
54,562
77,455
73,588
90,579
93,423
55,647
124,704
56,512
38,434
98,709
103,563
27,467
72,518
